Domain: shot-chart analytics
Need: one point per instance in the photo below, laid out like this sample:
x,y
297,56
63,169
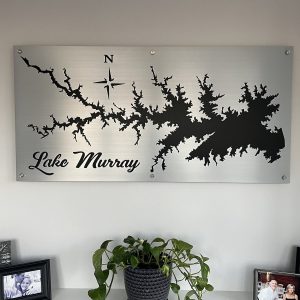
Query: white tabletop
x,y
81,294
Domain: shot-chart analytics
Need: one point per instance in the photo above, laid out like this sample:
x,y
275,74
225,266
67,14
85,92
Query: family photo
x,y
276,286
22,284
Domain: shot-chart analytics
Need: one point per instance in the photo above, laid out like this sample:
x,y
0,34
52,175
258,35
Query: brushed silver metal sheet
x,y
152,114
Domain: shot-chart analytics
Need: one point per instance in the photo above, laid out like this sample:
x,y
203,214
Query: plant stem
x,y
188,280
177,284
112,279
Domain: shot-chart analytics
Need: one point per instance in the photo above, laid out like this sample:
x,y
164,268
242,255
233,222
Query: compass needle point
x,y
109,83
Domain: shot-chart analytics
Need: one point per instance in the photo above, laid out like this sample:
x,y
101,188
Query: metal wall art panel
x,y
178,114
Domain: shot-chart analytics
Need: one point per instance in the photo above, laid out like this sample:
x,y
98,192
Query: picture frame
x,y
297,263
5,253
275,285
30,281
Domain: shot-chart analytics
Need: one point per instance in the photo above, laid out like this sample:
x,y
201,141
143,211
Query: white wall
x,y
240,226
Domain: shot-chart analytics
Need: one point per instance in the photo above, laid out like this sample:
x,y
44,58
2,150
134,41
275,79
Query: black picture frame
x,y
5,253
9,274
262,278
297,264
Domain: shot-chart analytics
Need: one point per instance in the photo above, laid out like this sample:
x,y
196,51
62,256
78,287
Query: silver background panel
x,y
228,68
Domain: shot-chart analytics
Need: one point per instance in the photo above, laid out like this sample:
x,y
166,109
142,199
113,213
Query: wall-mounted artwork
x,y
178,114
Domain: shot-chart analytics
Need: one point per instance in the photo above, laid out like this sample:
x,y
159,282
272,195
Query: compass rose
x,y
109,83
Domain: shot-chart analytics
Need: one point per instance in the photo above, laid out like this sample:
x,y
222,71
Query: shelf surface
x,y
81,294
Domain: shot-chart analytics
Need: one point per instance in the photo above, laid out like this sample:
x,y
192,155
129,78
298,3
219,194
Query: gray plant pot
x,y
146,284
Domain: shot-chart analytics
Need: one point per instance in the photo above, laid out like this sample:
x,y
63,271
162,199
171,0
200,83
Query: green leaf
x,y
205,258
207,267
201,281
99,293
134,261
183,246
189,294
118,250
198,258
118,254
97,258
181,264
165,270
175,288
174,243
156,251
129,240
105,244
200,287
158,240
101,276
111,266
146,247
209,287
204,270
94,294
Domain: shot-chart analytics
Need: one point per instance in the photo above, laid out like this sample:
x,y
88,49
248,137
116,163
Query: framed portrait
x,y
26,281
273,285
5,253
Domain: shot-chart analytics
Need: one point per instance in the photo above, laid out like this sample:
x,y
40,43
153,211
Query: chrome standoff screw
x,y
152,52
287,52
19,51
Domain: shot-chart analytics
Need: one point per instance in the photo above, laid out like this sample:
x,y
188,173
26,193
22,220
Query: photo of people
x,y
290,293
22,284
276,285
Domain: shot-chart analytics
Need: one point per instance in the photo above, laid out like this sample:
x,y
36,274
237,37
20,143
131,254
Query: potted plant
x,y
150,269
